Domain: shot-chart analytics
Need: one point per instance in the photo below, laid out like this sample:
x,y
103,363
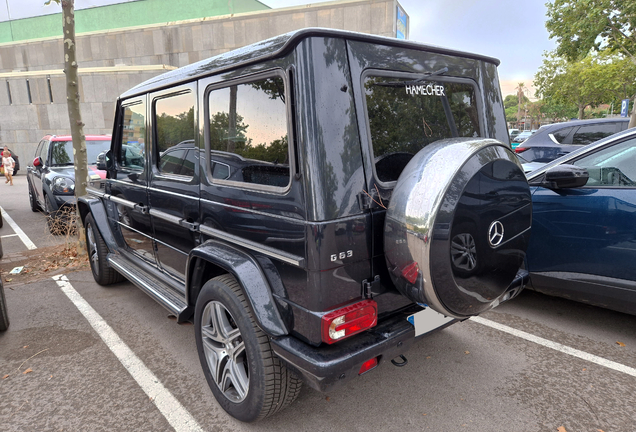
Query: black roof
x,y
275,47
582,122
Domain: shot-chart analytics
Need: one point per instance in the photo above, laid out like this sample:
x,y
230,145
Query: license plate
x,y
427,320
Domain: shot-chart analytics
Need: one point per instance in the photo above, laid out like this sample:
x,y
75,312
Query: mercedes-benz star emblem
x,y
495,233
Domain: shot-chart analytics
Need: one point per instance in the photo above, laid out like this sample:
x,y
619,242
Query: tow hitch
x,y
402,363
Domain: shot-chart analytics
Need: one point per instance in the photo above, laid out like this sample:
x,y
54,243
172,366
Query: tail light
x,y
368,365
348,321
521,149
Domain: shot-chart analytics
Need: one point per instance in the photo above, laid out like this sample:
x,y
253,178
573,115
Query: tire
x,y
249,382
4,316
51,216
97,253
34,204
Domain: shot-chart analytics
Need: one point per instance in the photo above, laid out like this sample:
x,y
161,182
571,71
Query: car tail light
x,y
521,149
368,365
348,321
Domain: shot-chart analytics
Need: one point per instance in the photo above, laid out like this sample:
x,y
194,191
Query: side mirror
x,y
37,162
104,161
565,176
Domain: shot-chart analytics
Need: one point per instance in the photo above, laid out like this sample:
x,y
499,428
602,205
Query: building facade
x,y
32,81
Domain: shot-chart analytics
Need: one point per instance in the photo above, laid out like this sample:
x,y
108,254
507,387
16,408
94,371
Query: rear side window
x,y
174,125
563,135
594,132
406,115
247,132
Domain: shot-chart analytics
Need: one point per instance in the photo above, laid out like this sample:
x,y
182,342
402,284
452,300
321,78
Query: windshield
x,y
62,152
406,115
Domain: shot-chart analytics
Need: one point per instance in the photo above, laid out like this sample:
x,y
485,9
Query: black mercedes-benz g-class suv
x,y
315,203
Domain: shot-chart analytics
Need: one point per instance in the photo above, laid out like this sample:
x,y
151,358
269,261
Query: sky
x,y
511,30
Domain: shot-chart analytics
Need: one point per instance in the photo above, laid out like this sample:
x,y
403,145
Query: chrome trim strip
x,y
96,192
173,193
271,252
165,216
121,201
258,212
141,284
128,183
554,140
132,229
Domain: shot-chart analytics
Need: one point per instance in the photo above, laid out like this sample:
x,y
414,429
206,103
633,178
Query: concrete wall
x,y
111,62
117,16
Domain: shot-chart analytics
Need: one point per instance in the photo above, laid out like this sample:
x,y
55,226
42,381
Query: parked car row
x,y
553,141
51,174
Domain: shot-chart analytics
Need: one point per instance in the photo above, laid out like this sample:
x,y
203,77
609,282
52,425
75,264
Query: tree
x,y
583,27
594,80
73,106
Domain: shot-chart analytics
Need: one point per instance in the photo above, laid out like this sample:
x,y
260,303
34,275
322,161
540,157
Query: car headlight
x,y
63,186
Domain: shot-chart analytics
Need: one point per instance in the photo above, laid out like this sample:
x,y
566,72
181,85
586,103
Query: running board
x,y
161,292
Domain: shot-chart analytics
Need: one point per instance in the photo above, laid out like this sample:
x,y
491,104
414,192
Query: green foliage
x,y
171,130
594,80
583,26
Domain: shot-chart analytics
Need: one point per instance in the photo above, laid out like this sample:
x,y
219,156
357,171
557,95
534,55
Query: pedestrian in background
x,y
8,163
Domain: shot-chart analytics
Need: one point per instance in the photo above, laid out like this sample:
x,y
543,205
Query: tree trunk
x,y
632,119
74,114
581,111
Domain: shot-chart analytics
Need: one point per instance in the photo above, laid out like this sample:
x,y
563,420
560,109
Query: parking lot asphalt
x,y
60,370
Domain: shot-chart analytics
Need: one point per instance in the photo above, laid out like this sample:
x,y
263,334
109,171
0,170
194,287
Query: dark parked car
x,y
51,175
583,244
273,206
553,141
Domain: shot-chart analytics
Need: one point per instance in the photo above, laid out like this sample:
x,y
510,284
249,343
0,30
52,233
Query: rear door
x,y
174,177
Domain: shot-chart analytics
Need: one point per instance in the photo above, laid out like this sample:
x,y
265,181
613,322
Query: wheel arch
x,y
95,206
214,258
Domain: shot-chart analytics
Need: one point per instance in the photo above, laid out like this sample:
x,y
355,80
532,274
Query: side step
x,y
159,290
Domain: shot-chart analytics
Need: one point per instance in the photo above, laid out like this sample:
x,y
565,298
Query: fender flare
x,y
95,206
248,273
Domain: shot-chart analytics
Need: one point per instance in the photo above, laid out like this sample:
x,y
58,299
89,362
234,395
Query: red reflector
x,y
350,320
520,149
368,365
410,272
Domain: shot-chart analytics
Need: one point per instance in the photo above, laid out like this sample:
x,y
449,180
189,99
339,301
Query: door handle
x,y
143,209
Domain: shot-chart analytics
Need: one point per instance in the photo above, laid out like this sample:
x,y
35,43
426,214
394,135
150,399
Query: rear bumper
x,y
324,368
327,367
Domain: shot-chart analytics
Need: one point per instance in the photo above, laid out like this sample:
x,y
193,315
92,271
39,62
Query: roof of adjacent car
x,y
70,138
584,122
277,46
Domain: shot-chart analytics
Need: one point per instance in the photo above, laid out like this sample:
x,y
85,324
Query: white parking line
x,y
26,240
557,346
178,417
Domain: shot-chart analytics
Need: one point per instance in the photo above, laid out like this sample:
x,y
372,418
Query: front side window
x,y
174,128
133,137
247,133
406,115
612,166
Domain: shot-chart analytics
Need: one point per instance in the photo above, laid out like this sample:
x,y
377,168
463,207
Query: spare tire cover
x,y
458,225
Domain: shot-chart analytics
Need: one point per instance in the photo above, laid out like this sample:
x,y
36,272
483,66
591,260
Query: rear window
x,y
406,115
